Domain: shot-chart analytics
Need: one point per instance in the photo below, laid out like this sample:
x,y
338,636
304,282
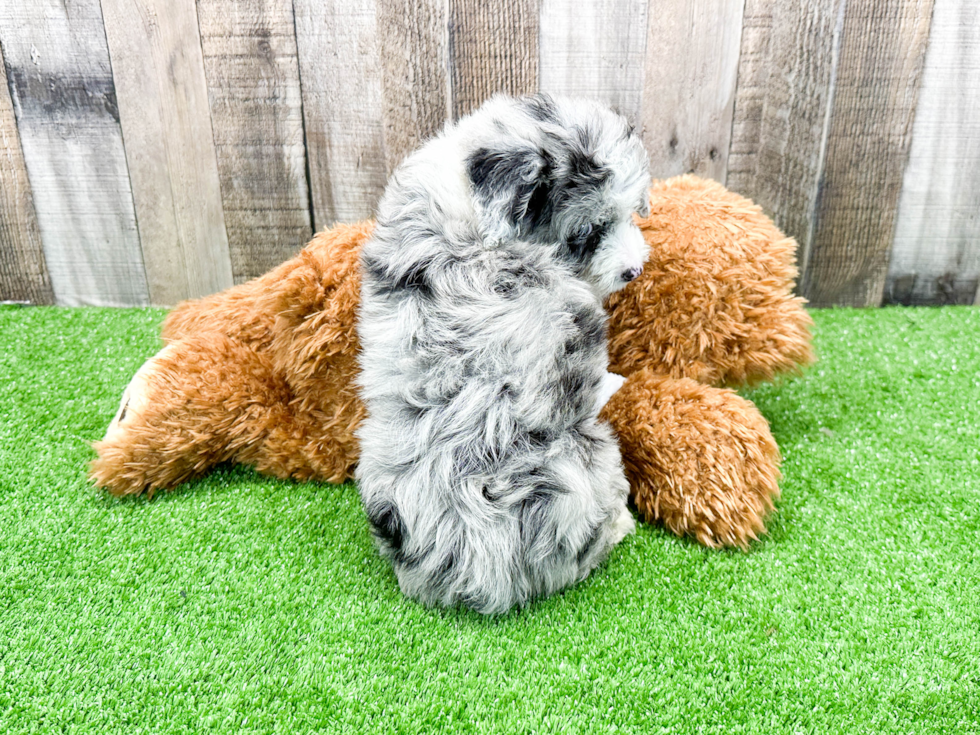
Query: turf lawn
x,y
243,604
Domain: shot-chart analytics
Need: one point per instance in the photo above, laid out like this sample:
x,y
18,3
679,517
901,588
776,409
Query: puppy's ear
x,y
512,186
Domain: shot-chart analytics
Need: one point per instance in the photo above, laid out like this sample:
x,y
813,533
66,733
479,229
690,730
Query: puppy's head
x,y
561,173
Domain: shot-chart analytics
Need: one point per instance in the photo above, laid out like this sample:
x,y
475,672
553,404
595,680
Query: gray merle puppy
x,y
485,472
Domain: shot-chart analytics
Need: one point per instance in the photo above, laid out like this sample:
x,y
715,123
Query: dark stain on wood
x,y
60,96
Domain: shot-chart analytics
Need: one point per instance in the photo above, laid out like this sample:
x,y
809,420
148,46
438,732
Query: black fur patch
x,y
538,438
387,524
585,171
571,384
582,244
590,331
412,280
374,268
591,327
514,277
522,177
542,108
576,392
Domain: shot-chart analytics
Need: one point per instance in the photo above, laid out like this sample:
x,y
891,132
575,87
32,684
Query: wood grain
x,y
935,257
595,50
163,107
252,73
23,272
413,43
493,47
785,86
61,87
342,107
866,152
692,57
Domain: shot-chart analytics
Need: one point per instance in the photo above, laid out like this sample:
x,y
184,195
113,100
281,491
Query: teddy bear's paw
x,y
700,460
136,397
122,462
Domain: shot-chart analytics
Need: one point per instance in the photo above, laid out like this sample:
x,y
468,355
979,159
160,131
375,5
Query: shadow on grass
x,y
221,479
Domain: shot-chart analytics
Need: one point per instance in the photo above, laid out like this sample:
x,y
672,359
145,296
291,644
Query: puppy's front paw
x,y
610,384
622,527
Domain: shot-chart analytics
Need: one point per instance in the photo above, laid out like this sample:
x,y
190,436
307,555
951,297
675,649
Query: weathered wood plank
x,y
595,50
413,42
158,68
493,47
62,90
785,85
868,137
23,273
692,55
343,111
935,257
252,73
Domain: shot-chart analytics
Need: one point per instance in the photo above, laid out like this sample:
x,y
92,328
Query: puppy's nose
x,y
631,274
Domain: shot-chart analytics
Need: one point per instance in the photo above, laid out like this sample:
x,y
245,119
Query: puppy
x,y
484,471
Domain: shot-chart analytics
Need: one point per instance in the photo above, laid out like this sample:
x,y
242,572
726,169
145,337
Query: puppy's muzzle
x,y
631,274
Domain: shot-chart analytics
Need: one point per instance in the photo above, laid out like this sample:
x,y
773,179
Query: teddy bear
x,y
265,373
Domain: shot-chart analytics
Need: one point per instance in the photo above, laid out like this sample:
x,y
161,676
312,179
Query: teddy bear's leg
x,y
197,402
700,460
308,443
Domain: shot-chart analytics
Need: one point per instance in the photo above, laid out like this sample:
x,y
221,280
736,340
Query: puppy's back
x,y
484,472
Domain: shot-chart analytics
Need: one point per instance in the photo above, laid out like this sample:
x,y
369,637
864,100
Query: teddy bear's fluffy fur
x,y
264,373
715,300
714,307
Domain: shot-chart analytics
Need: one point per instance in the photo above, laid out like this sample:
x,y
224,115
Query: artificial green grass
x,y
243,604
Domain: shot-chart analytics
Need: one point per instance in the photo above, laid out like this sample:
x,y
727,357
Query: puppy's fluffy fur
x,y
484,471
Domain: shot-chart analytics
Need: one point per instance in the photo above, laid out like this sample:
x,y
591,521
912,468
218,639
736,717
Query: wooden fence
x,y
155,150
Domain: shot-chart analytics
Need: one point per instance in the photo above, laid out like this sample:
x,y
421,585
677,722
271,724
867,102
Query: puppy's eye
x,y
586,238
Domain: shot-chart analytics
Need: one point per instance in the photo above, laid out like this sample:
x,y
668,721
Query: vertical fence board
x,y
692,55
62,91
252,74
867,150
163,107
935,257
595,50
342,107
245,123
23,272
493,47
413,39
785,82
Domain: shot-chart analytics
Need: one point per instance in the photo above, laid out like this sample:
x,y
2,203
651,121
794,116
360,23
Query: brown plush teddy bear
x,y
265,372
